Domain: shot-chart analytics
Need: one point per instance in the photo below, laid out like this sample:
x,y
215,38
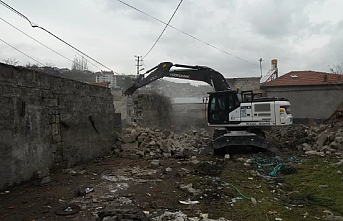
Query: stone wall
x,y
152,110
47,122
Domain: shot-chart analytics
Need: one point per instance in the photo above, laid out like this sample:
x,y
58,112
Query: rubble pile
x,y
327,142
139,142
321,140
290,137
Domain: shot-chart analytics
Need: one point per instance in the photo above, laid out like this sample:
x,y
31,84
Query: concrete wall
x,y
47,121
316,102
245,84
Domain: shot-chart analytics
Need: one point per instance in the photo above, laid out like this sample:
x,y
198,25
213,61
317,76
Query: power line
x,y
33,25
185,33
22,52
163,29
46,45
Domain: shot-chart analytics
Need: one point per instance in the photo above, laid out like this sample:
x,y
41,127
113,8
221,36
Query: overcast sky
x,y
301,34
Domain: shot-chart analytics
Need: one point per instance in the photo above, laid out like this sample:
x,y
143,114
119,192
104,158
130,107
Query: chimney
x,y
274,67
325,78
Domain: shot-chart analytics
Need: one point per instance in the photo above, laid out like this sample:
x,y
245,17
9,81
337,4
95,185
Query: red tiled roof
x,y
101,84
299,78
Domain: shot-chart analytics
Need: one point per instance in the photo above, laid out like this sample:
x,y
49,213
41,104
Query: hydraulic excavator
x,y
239,117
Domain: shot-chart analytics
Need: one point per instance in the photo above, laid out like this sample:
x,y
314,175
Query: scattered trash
x,y
323,186
67,210
278,219
243,196
272,213
88,190
82,191
330,216
227,156
189,202
5,192
3,216
238,198
253,201
274,165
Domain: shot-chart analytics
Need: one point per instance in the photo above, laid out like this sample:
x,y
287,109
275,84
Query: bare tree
x,y
80,64
336,69
11,61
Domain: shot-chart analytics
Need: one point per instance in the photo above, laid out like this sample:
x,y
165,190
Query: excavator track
x,y
240,142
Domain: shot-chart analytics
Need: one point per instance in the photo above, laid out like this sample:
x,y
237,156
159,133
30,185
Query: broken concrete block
x,y
155,164
130,138
43,173
339,140
306,147
322,139
45,180
336,145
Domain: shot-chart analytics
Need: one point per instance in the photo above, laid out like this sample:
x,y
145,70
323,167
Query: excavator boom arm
x,y
195,73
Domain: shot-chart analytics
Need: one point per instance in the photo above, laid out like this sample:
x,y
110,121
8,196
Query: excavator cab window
x,y
220,106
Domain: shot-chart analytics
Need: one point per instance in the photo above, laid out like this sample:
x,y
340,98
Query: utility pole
x,y
139,62
260,60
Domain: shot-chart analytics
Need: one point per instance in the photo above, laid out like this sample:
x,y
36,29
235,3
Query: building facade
x,y
107,76
313,95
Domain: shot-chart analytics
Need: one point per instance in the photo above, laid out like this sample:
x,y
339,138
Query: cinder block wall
x,y
47,121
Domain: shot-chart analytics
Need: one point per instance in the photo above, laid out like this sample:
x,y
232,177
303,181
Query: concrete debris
x,y
190,189
172,216
139,142
180,216
116,214
322,140
155,164
44,176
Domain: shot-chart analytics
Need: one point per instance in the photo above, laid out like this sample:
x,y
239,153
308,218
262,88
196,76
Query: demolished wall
x,y
47,121
156,110
152,110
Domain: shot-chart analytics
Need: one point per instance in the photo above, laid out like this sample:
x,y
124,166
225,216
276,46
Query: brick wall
x,y
47,121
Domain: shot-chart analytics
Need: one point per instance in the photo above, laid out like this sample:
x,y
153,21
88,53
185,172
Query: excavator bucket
x,y
240,142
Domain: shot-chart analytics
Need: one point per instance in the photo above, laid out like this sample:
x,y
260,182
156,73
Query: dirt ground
x,y
124,189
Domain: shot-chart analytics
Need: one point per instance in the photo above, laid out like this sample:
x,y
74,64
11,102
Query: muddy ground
x,y
124,189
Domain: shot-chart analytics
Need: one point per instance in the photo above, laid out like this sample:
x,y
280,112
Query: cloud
x,y
300,34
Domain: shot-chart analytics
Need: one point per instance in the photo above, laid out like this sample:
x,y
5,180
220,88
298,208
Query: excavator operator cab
x,y
220,104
